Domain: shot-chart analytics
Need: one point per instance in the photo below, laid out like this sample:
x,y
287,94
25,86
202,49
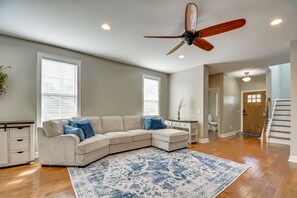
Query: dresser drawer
x,y
19,144
19,156
175,124
185,125
19,132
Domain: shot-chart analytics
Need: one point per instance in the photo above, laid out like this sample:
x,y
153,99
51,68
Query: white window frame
x,y
159,99
40,56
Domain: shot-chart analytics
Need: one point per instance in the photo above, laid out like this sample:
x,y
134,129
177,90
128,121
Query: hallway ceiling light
x,y
181,56
246,78
276,22
105,26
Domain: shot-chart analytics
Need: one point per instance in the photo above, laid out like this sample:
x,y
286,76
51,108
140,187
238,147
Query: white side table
x,y
190,125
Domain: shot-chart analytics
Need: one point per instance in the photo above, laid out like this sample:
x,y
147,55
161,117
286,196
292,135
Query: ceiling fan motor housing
x,y
189,37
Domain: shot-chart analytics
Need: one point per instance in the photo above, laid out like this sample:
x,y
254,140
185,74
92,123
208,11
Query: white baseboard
x,y
224,135
36,155
205,140
293,158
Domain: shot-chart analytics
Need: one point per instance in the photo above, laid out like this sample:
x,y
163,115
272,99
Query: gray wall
x,y
293,55
192,86
280,81
232,104
108,87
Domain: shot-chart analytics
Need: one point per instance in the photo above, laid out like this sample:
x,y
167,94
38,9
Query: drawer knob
x,y
19,140
20,152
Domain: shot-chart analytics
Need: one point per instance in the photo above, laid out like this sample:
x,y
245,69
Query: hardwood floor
x,y
270,174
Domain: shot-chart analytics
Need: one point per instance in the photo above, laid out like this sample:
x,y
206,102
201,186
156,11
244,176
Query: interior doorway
x,y
213,111
253,108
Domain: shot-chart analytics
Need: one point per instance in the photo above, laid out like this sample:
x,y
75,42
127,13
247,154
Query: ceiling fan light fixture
x,y
246,78
276,22
105,26
181,56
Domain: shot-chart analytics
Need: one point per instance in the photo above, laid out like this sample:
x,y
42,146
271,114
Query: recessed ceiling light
x,y
276,22
105,26
181,56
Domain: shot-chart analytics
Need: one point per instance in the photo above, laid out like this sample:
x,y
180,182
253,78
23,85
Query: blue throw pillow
x,y
72,123
157,123
75,131
147,123
86,126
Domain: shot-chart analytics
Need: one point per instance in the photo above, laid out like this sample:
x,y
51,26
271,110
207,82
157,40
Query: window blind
x,y
150,96
59,95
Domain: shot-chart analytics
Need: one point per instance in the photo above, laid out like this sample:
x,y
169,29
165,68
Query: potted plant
x,y
3,79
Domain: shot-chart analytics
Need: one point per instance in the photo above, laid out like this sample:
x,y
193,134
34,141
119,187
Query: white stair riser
x,y
279,141
277,128
281,123
283,107
283,103
282,117
285,135
283,112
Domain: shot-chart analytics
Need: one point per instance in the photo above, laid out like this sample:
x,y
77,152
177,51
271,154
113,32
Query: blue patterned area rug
x,y
151,172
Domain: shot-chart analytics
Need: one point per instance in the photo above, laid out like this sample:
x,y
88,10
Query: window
x,y
58,87
151,95
254,98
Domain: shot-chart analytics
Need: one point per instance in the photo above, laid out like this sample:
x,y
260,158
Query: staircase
x,y
279,126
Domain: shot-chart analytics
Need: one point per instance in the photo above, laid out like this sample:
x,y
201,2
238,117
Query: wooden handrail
x,y
266,116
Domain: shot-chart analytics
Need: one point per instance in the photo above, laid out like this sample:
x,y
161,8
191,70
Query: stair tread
x,y
282,114
283,100
277,131
282,110
281,120
279,125
277,137
283,105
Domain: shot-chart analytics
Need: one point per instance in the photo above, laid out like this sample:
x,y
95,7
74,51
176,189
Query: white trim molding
x,y
203,141
224,135
293,158
36,155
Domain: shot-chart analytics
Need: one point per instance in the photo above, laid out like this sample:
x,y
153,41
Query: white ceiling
x,y
75,24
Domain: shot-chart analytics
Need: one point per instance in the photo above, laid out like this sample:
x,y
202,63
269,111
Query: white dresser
x,y
190,125
16,143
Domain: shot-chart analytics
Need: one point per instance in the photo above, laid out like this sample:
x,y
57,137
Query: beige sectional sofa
x,y
113,134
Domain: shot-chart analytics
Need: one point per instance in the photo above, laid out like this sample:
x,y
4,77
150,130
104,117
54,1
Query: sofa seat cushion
x,y
140,134
170,135
91,144
119,137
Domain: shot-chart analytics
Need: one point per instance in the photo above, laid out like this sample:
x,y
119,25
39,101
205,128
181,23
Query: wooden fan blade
x,y
221,28
191,18
163,36
178,46
203,44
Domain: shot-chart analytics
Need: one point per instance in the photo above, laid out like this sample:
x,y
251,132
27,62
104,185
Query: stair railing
x,y
270,122
266,115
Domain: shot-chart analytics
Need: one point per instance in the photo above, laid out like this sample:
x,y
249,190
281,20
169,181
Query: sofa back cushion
x,y
95,122
132,122
112,124
54,127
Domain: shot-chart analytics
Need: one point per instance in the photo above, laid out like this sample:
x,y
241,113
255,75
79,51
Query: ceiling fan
x,y
191,36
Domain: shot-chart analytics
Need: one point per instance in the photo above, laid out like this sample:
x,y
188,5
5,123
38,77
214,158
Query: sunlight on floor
x,y
15,182
27,172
